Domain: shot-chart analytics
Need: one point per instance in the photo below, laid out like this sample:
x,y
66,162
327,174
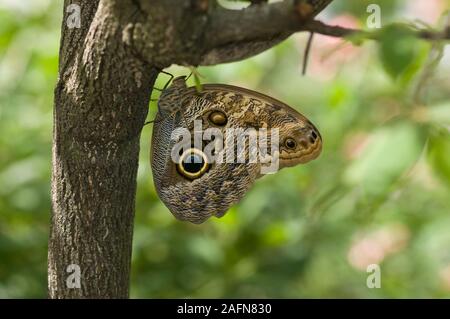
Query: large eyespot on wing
x,y
212,194
193,164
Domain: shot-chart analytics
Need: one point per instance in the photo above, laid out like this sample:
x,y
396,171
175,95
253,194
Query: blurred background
x,y
378,194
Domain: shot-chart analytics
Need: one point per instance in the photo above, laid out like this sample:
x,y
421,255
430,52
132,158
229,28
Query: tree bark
x,y
106,72
101,102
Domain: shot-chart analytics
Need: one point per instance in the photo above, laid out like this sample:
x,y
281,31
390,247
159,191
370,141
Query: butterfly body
x,y
195,196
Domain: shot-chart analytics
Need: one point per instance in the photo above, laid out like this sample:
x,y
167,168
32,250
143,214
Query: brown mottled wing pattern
x,y
211,195
224,184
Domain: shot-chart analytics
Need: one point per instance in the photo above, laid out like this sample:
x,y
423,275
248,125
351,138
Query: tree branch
x,y
237,34
340,32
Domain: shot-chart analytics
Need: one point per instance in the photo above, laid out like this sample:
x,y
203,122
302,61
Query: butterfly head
x,y
300,141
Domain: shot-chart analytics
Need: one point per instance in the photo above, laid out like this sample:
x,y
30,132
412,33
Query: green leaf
x,y
392,150
397,49
198,84
357,39
196,75
438,155
422,50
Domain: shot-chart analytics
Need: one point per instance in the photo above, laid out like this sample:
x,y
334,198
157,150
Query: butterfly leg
x,y
167,83
151,122
171,77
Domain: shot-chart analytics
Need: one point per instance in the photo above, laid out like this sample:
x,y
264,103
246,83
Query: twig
x,y
307,50
340,32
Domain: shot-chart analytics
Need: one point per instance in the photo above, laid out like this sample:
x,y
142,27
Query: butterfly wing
x,y
210,195
223,184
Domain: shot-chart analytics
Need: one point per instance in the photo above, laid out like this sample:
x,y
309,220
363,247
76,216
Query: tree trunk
x,y
106,72
101,103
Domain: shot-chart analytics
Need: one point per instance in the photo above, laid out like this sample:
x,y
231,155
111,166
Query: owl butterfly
x,y
195,186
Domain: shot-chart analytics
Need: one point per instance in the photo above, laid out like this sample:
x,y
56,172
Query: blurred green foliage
x,y
379,193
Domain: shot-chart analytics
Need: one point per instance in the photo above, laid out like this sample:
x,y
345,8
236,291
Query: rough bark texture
x,y
101,104
106,73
